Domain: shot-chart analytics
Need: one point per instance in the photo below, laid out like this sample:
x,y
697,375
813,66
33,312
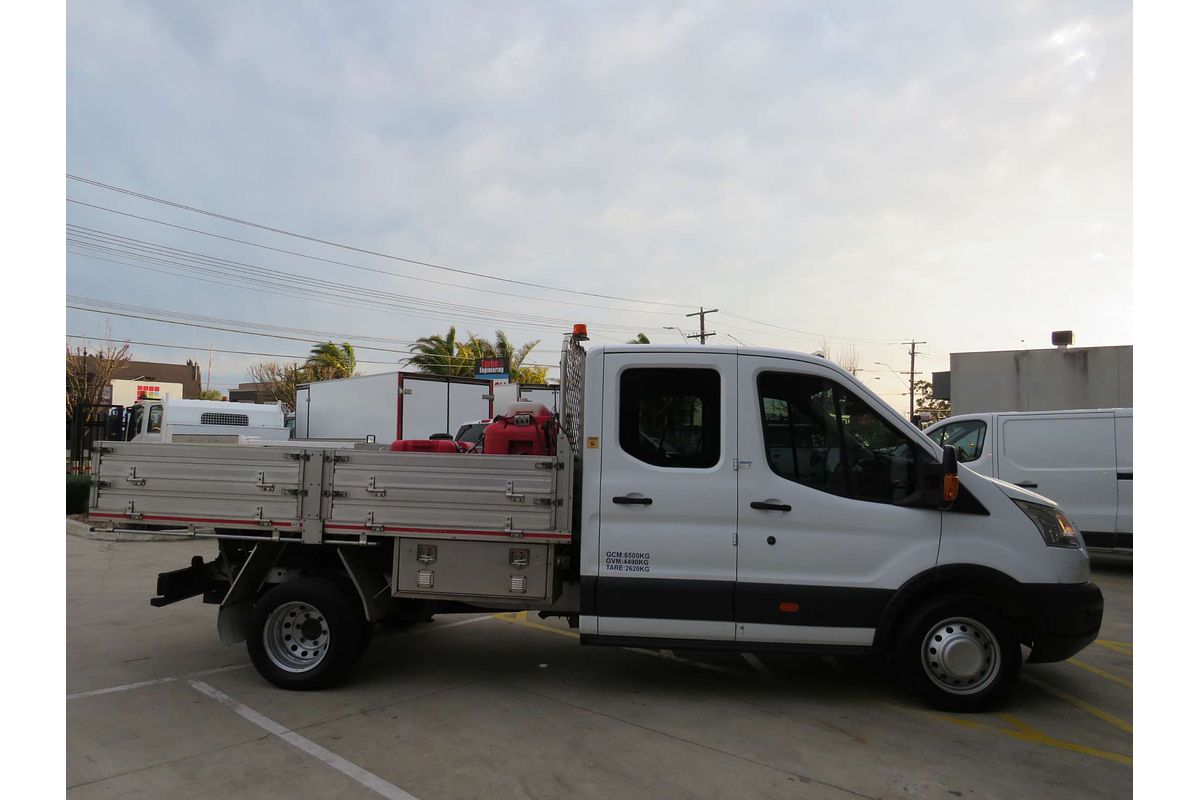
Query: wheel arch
x,y
975,580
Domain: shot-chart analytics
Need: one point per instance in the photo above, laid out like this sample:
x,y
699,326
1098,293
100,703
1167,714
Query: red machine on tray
x,y
527,429
425,446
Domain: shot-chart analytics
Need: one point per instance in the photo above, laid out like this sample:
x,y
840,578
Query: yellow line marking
x,y
1108,676
1124,648
516,619
1116,722
1026,733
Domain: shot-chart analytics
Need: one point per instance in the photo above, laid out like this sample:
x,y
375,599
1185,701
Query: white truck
x,y
389,406
1082,459
171,420
700,497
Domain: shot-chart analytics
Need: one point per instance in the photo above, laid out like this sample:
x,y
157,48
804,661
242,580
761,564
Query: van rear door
x,y
1070,459
668,496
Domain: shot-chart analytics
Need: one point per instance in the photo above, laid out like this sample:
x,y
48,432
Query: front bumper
x,y
1068,619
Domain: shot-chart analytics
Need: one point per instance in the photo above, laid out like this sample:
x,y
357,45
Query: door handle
x,y
1026,485
762,505
624,500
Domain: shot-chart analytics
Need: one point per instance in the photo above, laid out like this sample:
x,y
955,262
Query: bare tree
x,y
278,381
847,359
90,370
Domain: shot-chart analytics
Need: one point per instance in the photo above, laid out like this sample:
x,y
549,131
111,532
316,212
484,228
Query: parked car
x,y
1081,459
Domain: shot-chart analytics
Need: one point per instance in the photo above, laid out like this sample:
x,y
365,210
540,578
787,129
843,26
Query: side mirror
x,y
937,482
949,477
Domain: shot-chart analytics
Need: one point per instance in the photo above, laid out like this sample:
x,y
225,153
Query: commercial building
x,y
1050,379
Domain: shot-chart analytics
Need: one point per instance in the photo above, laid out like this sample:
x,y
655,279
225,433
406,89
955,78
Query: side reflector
x,y
789,608
949,488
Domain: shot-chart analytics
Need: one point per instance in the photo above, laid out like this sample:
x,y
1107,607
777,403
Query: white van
x,y
1081,459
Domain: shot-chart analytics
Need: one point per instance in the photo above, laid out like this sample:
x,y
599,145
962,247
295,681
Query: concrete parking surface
x,y
501,706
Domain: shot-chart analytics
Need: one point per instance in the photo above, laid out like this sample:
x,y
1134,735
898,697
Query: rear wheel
x,y
958,654
305,634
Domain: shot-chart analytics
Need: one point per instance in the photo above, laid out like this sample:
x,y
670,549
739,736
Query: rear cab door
x,y
667,556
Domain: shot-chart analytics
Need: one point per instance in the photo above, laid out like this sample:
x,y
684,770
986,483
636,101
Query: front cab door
x,y
826,533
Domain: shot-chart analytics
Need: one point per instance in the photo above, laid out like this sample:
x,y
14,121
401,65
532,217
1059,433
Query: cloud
x,y
861,171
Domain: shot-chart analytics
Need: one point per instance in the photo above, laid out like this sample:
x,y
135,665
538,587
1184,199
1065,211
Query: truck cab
x,y
761,499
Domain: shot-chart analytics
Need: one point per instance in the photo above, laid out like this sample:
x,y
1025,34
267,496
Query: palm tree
x,y
440,355
641,339
329,361
476,347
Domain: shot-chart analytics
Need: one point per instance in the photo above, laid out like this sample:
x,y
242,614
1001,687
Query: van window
x,y
671,417
819,435
154,420
966,436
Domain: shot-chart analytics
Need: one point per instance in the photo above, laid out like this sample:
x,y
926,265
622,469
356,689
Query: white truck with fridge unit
x,y
698,497
171,420
389,406
1082,459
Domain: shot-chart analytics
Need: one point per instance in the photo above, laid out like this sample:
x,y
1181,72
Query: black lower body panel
x,y
1069,615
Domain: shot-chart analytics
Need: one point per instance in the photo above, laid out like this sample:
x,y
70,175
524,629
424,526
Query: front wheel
x,y
959,654
304,634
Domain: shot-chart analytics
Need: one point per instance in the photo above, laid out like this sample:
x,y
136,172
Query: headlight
x,y
1056,529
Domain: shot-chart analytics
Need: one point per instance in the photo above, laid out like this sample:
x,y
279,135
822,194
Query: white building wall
x,y
1042,380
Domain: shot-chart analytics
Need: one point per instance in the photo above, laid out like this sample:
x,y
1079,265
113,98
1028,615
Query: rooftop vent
x,y
1062,338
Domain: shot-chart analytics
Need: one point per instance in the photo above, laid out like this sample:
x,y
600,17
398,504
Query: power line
x,y
370,269
291,283
352,248
444,359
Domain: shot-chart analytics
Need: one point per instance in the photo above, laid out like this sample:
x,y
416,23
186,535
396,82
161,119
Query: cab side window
x,y
154,421
966,436
671,417
819,435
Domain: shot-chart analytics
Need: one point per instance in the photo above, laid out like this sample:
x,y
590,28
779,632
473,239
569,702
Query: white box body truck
x,y
699,497
389,406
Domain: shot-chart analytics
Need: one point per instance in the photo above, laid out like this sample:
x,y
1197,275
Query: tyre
x,y
305,634
958,654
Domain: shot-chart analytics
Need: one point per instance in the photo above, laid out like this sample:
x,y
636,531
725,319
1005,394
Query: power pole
x,y
912,376
704,333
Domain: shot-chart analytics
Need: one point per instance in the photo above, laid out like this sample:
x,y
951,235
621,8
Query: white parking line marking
x,y
127,686
758,665
347,768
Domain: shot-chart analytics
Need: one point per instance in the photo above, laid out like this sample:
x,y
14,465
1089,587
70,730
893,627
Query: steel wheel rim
x,y
960,656
296,637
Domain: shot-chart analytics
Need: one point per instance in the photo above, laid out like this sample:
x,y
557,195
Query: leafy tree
x,y
329,361
926,402
440,355
211,394
279,381
641,339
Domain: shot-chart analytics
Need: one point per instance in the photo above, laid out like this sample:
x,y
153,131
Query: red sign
x,y
144,389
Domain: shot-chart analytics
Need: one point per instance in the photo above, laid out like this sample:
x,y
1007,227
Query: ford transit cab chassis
x,y
699,497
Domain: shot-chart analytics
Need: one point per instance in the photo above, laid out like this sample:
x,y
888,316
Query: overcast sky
x,y
955,172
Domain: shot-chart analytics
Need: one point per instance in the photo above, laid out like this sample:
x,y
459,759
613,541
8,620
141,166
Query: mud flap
x,y
234,617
